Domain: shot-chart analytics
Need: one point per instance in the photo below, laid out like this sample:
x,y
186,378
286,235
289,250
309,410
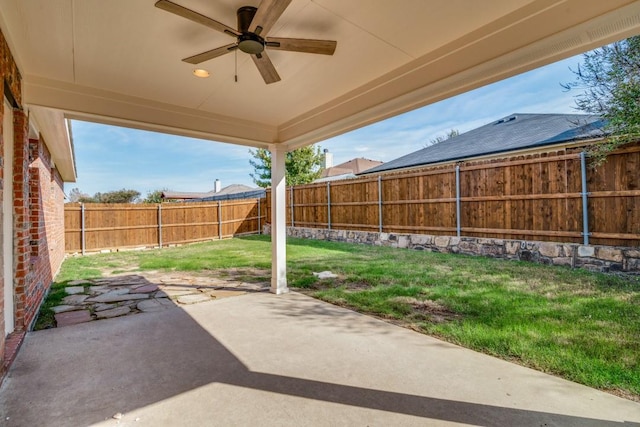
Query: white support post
x,y
278,221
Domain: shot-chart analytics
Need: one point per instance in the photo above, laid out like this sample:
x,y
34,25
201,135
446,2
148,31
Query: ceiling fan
x,y
251,36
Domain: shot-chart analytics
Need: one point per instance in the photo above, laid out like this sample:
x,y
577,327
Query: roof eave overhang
x,y
101,106
424,81
52,127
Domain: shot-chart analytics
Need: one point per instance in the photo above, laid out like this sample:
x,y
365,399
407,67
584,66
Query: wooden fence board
x,y
534,197
114,226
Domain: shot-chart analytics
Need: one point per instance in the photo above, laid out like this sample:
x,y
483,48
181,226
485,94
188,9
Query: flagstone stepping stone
x,y
98,289
72,290
225,294
75,299
72,318
64,308
178,281
325,275
253,286
114,312
177,292
153,305
117,297
79,282
123,281
193,299
146,289
103,306
178,287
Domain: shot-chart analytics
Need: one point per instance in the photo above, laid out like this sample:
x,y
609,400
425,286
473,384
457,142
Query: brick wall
x,y
20,214
9,79
45,242
39,223
38,208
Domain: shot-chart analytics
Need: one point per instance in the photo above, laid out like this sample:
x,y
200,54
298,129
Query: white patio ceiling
x,y
119,61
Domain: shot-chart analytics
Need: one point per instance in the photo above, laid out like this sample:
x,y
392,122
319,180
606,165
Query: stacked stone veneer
x,y
595,258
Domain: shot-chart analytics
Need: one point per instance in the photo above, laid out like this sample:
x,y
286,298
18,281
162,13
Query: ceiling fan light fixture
x,y
200,72
251,43
252,36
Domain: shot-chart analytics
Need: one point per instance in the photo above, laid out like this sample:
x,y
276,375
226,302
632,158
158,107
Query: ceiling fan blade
x,y
323,47
266,68
176,9
267,14
210,54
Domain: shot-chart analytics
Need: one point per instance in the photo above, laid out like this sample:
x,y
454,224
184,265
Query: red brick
x,y
39,210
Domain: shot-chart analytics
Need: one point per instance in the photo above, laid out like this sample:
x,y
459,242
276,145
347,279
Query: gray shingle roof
x,y
514,132
186,195
355,166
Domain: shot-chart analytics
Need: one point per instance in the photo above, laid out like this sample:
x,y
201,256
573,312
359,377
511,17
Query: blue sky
x,y
110,158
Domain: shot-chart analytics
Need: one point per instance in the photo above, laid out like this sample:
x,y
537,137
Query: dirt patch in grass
x,y
356,286
623,393
241,274
434,311
247,274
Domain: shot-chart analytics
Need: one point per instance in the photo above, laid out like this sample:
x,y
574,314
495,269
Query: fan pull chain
x,y
236,54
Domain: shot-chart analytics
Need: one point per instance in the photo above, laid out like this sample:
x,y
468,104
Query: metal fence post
x,y
329,205
219,220
291,203
160,225
458,200
585,195
380,203
259,219
82,237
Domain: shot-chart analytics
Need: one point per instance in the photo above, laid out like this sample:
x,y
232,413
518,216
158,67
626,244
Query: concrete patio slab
x,y
268,360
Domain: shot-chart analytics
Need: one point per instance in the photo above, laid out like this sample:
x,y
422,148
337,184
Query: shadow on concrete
x,y
83,374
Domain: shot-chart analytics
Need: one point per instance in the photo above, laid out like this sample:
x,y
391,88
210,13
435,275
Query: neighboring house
x,y
37,158
344,170
515,134
230,192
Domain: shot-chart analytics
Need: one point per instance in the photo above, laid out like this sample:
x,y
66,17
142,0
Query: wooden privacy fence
x,y
95,227
548,197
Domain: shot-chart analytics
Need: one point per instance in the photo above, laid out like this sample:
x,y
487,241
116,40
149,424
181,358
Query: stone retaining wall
x,y
594,258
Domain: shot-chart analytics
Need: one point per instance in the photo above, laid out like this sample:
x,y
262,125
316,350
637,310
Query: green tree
x,y
610,80
302,166
451,134
155,196
117,196
75,195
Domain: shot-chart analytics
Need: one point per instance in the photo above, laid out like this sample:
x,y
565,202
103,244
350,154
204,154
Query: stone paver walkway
x,y
150,291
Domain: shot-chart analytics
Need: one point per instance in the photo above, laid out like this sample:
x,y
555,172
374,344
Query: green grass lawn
x,y
579,325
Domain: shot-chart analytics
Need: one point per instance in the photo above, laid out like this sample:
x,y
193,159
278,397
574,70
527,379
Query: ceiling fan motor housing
x,y
248,42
